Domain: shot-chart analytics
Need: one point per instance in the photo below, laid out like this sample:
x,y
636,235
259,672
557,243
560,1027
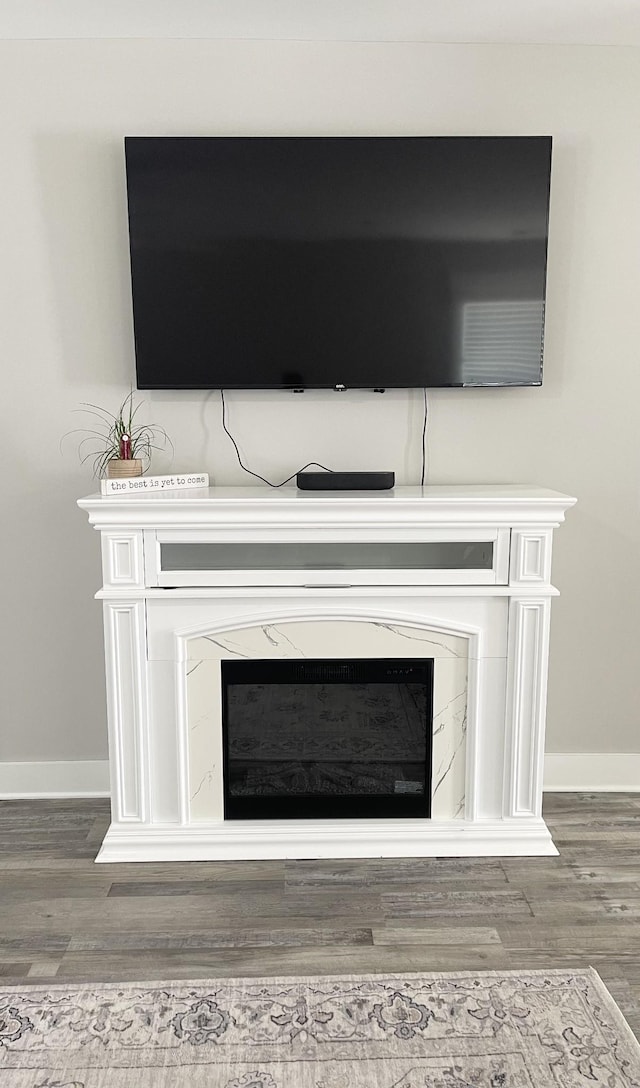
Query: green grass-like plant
x,y
102,442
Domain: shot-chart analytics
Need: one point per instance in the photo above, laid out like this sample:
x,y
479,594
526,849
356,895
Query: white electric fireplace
x,y
298,674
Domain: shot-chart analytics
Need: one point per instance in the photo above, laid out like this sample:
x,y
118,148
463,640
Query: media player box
x,y
345,481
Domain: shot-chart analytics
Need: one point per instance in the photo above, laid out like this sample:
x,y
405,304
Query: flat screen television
x,y
338,262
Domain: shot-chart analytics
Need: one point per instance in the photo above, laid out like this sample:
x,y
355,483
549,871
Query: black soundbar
x,y
345,481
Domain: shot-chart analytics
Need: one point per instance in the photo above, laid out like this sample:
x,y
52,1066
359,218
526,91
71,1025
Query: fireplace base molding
x,y
244,840
460,575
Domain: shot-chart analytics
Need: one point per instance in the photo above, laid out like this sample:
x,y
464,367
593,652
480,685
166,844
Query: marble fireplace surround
x,y
325,638
485,622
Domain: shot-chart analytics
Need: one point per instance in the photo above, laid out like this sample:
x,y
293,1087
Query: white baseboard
x,y
592,772
64,778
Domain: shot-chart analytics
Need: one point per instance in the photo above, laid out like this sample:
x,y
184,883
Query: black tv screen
x,y
322,262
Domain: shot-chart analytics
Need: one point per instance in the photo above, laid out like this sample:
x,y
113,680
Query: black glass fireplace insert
x,y
327,739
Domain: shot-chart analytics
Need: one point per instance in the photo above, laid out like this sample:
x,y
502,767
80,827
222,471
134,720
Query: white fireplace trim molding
x,y
306,614
255,840
502,613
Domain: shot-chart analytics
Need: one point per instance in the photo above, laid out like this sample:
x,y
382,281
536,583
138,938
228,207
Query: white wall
x,y
67,337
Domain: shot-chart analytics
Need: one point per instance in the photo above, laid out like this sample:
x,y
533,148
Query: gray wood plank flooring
x,y
62,917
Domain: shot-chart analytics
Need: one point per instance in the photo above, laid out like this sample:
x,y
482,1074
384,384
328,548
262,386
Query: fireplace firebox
x,y
327,739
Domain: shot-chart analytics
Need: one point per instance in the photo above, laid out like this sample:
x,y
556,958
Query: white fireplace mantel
x,y
457,573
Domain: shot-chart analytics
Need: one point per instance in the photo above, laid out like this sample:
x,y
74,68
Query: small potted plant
x,y
119,445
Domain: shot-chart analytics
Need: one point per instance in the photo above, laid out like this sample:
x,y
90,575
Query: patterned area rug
x,y
495,1030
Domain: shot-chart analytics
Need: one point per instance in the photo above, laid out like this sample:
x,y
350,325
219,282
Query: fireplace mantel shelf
x,y
497,504
454,572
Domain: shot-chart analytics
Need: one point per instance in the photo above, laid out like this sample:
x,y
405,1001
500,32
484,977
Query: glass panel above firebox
x,y
327,739
425,555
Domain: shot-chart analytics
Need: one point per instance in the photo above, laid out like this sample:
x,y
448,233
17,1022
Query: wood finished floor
x,y
62,917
